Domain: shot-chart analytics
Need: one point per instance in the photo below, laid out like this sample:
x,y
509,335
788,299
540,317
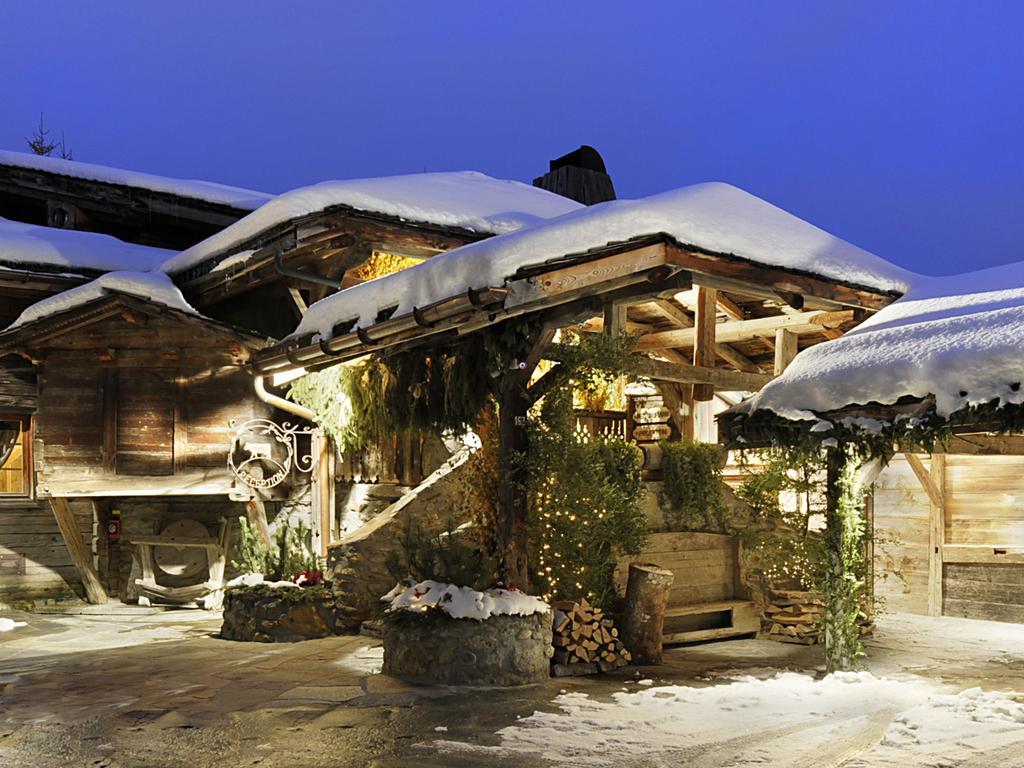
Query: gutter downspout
x,y
259,384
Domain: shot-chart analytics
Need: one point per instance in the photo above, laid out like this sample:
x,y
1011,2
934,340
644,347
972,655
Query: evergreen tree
x,y
40,143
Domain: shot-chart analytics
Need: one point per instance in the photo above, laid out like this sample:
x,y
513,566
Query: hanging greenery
x,y
845,568
691,493
422,390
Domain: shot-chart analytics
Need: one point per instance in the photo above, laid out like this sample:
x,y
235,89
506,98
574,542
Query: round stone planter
x,y
277,615
437,649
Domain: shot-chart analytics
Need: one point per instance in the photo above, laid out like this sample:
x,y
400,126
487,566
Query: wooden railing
x,y
602,423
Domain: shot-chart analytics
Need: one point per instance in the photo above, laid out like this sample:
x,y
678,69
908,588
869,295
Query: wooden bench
x,y
717,620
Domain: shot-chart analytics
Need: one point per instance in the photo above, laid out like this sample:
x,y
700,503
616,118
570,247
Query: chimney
x,y
579,175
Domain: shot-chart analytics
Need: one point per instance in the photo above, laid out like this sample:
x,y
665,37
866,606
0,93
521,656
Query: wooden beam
x,y
737,359
983,445
773,280
785,349
704,339
615,318
925,478
298,301
79,552
936,535
730,308
684,373
741,330
670,310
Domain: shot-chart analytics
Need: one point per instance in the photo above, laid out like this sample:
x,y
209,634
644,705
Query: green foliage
x,y
289,556
298,595
453,557
781,550
691,494
435,390
845,566
585,505
253,555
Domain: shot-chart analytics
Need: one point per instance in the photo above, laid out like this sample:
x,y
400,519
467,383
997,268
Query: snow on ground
x,y
26,245
150,286
463,602
787,720
715,217
7,625
956,337
206,191
468,200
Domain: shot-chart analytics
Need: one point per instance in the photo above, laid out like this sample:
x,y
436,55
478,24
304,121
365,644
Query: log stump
x,y
644,616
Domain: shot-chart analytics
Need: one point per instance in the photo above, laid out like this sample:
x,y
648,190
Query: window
x,y
15,456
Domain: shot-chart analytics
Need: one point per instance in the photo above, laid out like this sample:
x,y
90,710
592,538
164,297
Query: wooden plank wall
x,y
34,563
155,422
704,564
983,571
901,539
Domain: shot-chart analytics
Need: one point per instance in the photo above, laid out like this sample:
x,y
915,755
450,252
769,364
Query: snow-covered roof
x,y
154,287
27,246
236,197
466,200
714,217
959,338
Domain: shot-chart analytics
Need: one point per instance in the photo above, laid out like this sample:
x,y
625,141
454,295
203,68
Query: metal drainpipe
x,y
259,384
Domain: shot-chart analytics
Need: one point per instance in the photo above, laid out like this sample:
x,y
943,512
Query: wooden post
x,y
785,349
704,354
643,628
936,534
614,318
933,482
80,554
257,515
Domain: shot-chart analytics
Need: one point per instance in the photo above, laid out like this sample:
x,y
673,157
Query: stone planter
x,y
277,615
437,649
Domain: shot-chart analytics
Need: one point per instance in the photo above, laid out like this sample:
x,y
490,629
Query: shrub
x,y
691,495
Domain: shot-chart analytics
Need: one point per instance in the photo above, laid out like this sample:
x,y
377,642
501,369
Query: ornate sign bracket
x,y
263,453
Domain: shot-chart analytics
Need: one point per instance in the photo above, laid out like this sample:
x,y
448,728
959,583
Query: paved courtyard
x,y
156,689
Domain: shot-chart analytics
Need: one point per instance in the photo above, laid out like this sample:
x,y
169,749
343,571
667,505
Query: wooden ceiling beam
x,y
742,330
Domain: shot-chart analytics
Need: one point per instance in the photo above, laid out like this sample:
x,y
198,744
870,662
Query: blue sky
x,y
897,125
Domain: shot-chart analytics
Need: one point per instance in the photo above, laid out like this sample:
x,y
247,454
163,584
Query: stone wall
x,y
503,650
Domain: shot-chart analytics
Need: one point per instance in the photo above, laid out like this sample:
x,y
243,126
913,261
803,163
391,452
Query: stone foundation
x,y
254,615
503,650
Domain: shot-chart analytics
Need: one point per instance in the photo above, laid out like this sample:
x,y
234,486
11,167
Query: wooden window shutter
x,y
145,422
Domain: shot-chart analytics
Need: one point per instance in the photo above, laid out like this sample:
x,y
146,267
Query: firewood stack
x,y
585,640
795,617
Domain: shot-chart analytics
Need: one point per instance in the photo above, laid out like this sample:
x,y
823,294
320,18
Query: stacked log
x,y
586,641
795,616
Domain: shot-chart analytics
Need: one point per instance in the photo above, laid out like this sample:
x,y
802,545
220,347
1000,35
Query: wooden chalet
x,y
722,288
932,385
121,388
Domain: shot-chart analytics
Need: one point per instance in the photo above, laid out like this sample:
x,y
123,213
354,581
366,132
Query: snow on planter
x,y
957,337
463,602
714,217
26,245
466,200
428,640
149,286
236,197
